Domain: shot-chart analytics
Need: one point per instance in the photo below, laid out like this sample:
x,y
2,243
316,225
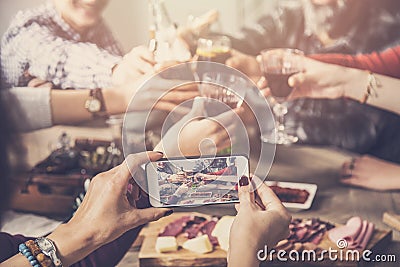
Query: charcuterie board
x,y
148,256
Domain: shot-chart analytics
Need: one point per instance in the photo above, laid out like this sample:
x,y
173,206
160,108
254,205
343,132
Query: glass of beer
x,y
215,49
277,66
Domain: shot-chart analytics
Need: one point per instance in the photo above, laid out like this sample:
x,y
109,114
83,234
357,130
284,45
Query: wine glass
x,y
277,66
228,89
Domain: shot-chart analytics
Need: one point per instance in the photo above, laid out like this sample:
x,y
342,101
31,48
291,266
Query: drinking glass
x,y
223,87
216,49
277,66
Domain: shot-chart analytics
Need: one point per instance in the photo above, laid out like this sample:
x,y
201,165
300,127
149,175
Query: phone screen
x,y
195,181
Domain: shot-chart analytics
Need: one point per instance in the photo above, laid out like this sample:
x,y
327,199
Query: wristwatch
x,y
49,249
95,104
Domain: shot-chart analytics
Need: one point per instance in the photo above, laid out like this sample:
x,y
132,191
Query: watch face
x,y
44,244
94,105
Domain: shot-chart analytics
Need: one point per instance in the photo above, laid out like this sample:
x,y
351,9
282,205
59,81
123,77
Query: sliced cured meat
x,y
194,230
282,244
176,227
207,230
365,235
310,246
298,247
356,232
348,232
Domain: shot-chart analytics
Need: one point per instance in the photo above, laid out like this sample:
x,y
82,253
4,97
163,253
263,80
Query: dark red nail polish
x,y
244,180
167,213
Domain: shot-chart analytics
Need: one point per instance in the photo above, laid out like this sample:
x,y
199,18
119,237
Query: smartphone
x,y
194,181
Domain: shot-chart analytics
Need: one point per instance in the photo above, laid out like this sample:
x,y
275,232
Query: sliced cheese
x,y
222,230
199,244
166,244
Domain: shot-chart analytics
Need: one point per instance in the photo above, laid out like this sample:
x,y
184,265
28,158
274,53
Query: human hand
x,y
253,227
246,64
195,135
197,26
323,80
106,212
138,62
371,173
36,82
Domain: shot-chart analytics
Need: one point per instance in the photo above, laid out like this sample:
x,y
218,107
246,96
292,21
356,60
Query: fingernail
x,y
291,82
244,181
130,188
159,152
168,212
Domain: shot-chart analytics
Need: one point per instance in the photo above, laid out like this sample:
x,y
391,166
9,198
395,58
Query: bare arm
x,y
322,80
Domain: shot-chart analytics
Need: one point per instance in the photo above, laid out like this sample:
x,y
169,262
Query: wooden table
x,y
333,201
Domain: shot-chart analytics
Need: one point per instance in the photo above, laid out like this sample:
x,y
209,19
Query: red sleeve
x,y
220,172
385,63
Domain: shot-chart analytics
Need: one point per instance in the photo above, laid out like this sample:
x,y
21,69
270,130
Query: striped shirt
x,y
39,43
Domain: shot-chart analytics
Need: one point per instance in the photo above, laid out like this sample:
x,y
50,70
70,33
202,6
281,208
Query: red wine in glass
x,y
278,83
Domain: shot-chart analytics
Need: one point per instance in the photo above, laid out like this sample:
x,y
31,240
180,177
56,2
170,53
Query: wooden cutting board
x,y
148,256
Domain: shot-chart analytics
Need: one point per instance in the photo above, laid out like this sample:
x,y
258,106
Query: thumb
x,y
296,80
197,107
143,216
245,195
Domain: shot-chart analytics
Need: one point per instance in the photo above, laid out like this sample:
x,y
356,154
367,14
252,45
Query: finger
x,y
142,52
245,196
262,82
129,167
237,207
233,62
266,92
165,65
187,87
296,80
267,196
236,53
179,96
143,216
197,107
354,181
148,57
35,82
168,106
143,66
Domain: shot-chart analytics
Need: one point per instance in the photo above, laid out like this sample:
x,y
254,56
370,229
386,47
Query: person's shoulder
x,y
28,16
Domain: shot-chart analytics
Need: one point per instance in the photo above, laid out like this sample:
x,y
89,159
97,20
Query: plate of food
x,y
294,196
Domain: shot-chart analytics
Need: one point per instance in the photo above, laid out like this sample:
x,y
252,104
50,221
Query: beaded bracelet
x,y
24,250
43,260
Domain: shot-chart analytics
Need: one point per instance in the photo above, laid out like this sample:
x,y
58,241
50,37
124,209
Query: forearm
x,y
111,253
387,92
68,106
240,255
18,260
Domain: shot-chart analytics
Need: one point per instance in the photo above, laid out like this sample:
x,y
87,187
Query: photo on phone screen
x,y
195,181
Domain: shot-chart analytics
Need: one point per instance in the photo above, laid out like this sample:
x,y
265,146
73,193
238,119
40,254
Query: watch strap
x,y
98,94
